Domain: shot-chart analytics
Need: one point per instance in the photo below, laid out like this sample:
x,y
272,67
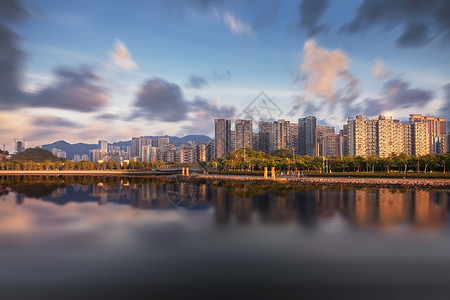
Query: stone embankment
x,y
334,181
318,181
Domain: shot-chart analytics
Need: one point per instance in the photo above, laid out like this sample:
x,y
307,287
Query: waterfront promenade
x,y
317,181
341,181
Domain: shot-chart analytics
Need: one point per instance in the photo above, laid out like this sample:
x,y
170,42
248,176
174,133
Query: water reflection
x,y
125,238
245,204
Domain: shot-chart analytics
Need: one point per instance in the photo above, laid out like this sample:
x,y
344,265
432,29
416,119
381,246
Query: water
x,y
123,238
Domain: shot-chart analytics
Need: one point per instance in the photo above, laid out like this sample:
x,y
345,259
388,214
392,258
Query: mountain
x,y
71,149
196,138
83,148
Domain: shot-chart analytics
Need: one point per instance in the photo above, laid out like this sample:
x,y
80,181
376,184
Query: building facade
x,y
222,137
243,133
307,136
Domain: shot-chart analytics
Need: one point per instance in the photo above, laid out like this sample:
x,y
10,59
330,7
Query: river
x,y
125,238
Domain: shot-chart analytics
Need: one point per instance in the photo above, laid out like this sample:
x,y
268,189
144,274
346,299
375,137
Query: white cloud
x,y
322,70
122,57
378,71
236,25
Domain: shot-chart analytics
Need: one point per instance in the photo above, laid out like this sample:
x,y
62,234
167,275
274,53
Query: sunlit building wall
x,y
420,138
436,127
279,136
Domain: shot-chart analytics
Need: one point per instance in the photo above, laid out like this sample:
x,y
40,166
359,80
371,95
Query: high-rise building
x,y
20,146
232,140
436,127
386,136
265,129
363,133
103,146
187,153
293,137
420,138
279,135
143,141
162,141
383,136
200,152
343,141
255,141
357,136
135,149
402,138
440,146
59,153
146,153
243,133
96,155
372,137
222,137
327,141
210,150
307,136
447,142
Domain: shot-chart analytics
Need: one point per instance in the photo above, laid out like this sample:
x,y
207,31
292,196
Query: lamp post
x,y
417,164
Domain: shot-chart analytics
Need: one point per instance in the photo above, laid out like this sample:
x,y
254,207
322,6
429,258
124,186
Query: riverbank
x,y
434,183
337,181
80,172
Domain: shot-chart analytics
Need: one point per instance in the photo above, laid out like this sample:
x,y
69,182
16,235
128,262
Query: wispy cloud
x,y
236,26
122,57
379,71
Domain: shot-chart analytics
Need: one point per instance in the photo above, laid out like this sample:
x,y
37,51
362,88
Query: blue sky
x,y
88,70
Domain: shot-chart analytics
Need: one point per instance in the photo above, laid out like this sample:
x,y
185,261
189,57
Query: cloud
x,y
159,99
50,121
197,82
204,112
75,89
236,26
321,69
422,20
200,5
226,75
122,57
301,102
11,55
379,71
446,108
108,116
201,81
310,13
414,35
397,94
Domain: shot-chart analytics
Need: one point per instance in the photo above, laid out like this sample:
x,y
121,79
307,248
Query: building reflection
x,y
307,206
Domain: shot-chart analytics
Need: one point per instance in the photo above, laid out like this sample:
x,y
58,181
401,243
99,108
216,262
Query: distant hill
x,y
82,148
71,149
34,154
196,138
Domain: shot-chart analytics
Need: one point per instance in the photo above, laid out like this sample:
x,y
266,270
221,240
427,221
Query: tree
x,y
35,154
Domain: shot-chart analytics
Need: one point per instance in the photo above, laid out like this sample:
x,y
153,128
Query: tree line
x,y
250,160
285,160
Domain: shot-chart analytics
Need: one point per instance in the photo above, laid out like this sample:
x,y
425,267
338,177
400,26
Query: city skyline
x,y
74,70
360,136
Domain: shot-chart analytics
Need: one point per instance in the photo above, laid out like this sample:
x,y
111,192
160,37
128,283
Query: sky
x,y
81,70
